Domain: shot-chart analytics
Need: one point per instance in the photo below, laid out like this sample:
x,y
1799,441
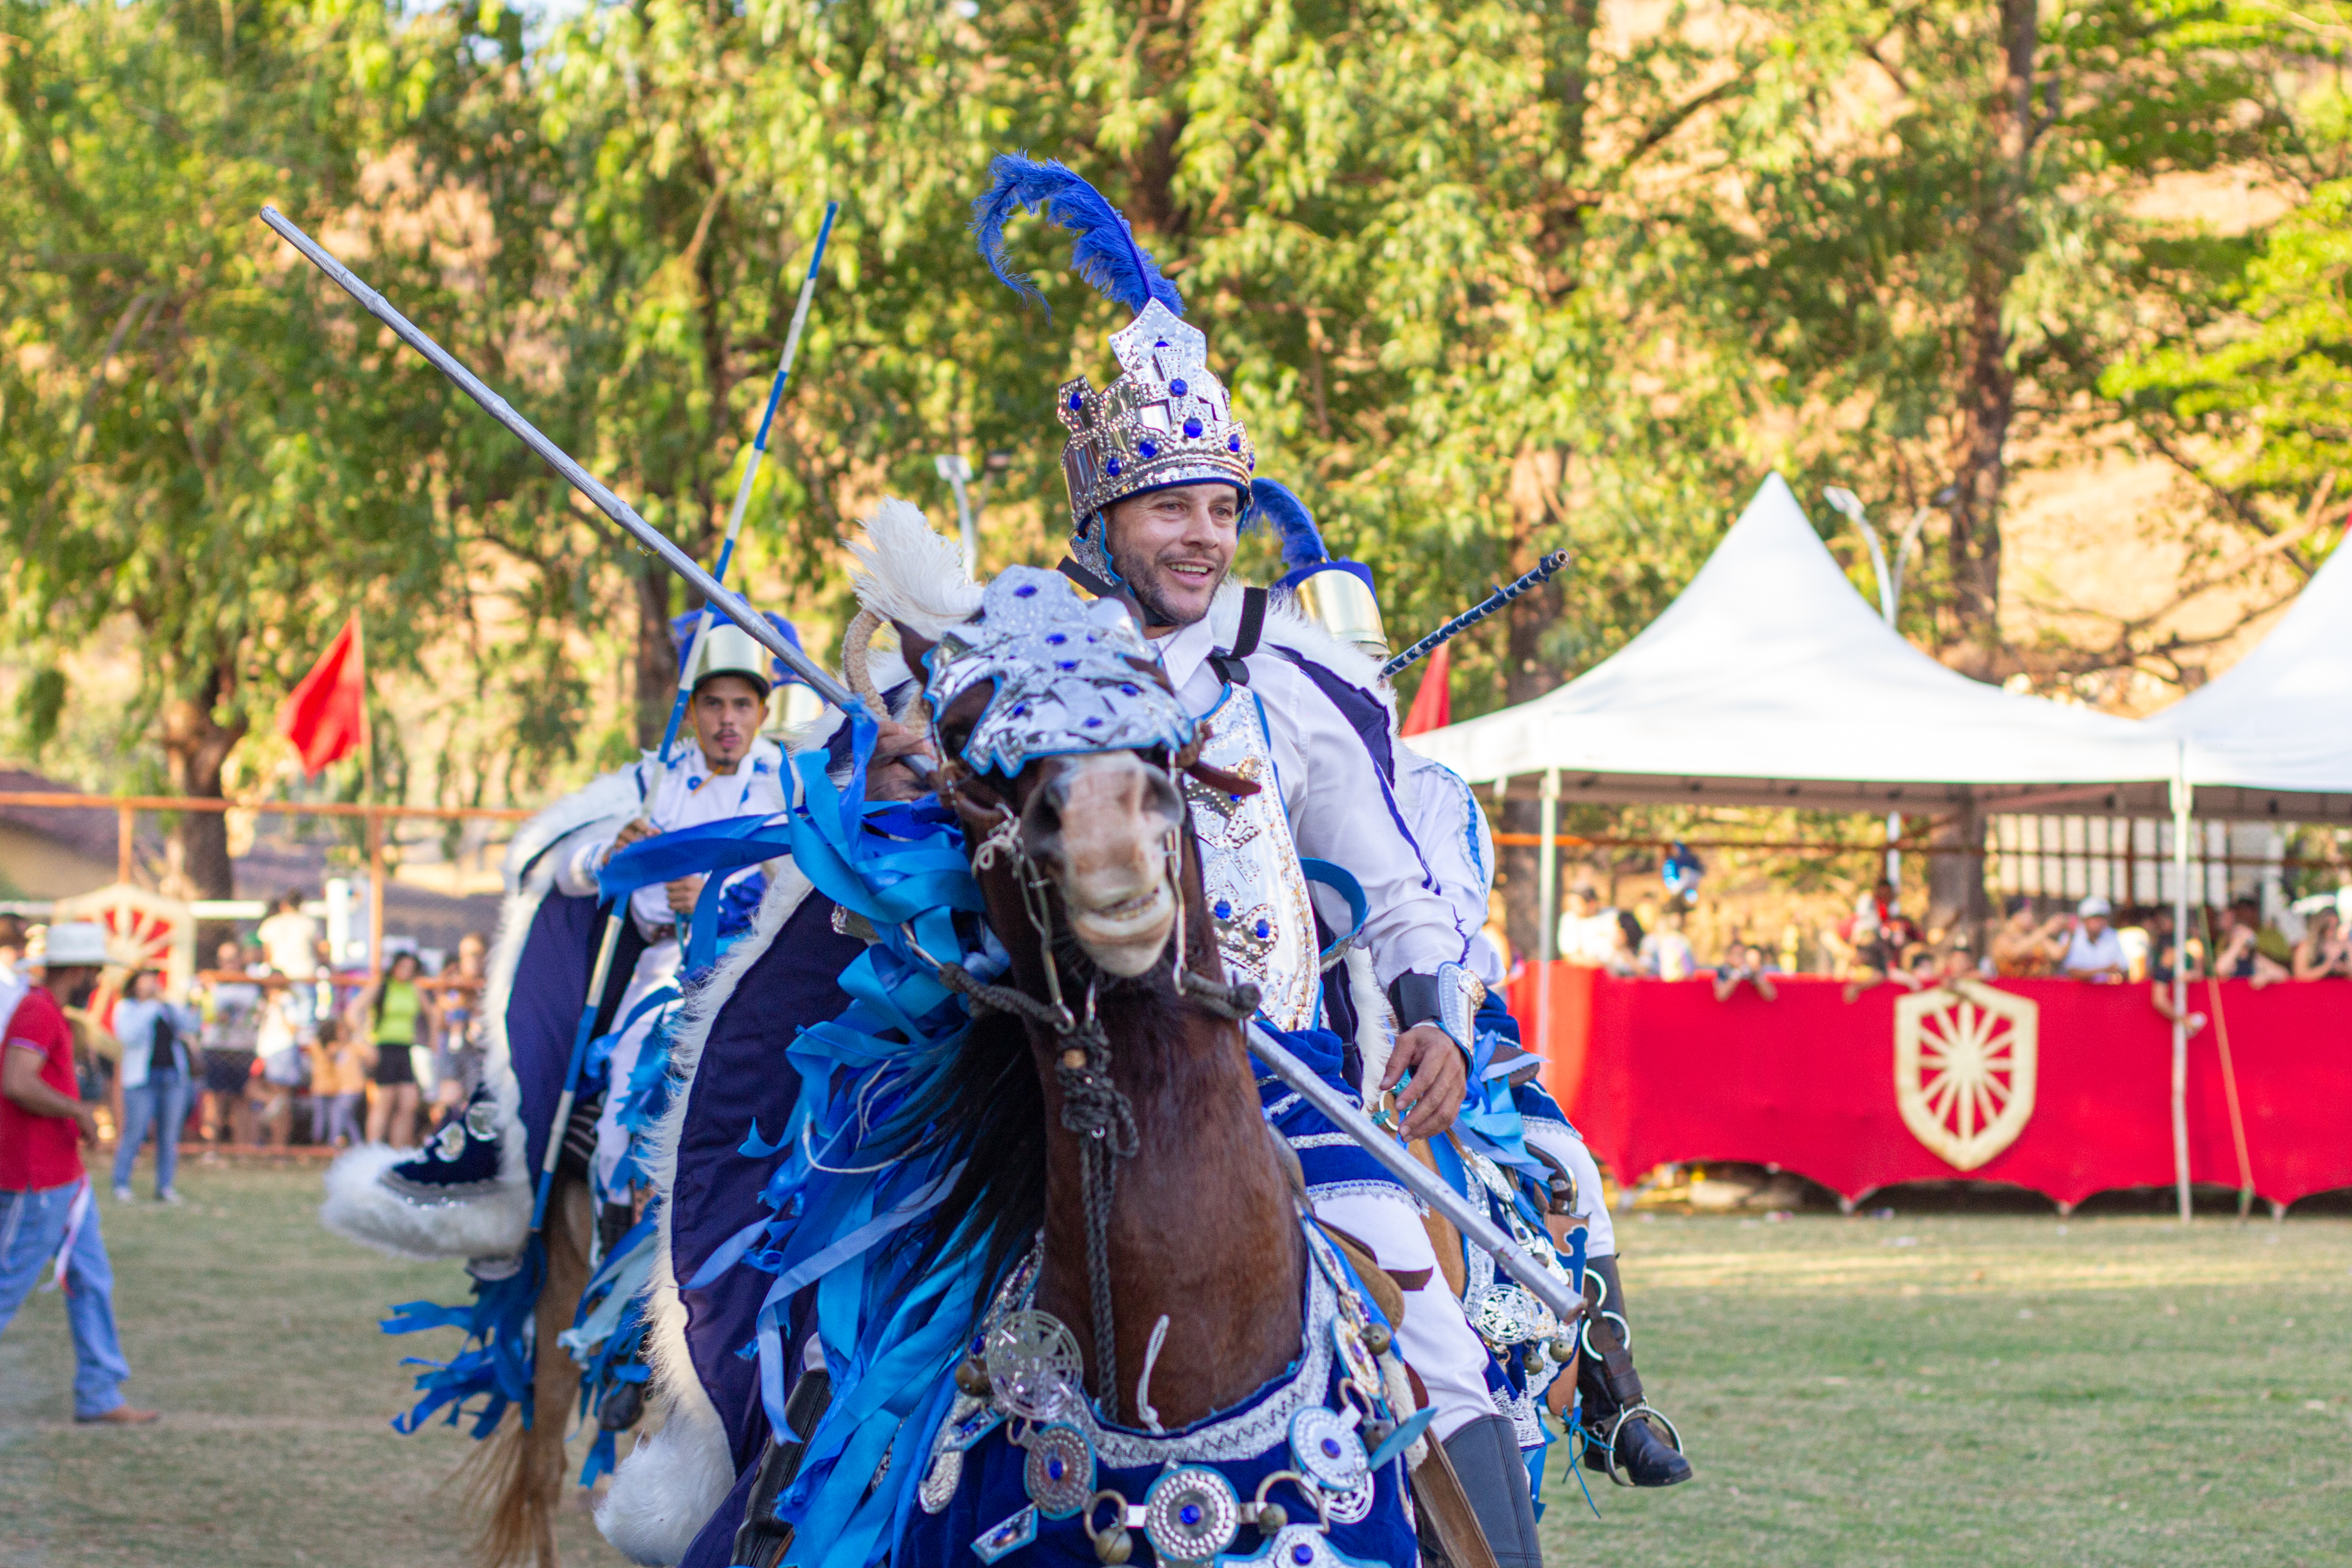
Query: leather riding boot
x,y
762,1538
1620,1440
1494,1476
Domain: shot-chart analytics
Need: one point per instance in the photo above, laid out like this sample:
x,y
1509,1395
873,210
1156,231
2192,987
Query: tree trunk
x,y
657,655
1534,480
196,747
1956,895
1988,391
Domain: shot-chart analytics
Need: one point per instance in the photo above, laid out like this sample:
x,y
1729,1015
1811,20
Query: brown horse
x,y
1089,902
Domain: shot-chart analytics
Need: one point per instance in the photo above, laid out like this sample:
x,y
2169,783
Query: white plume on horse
x,y
909,573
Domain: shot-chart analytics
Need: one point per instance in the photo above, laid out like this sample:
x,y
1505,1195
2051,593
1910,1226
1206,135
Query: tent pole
x,y
1547,905
2180,824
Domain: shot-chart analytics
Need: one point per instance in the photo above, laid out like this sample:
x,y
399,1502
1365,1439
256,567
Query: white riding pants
x,y
1436,1340
1562,1143
656,967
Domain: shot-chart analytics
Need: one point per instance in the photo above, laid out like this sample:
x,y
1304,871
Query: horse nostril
x,y
1041,819
1161,799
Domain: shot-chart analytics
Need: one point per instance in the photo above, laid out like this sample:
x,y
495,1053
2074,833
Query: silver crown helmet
x,y
1165,419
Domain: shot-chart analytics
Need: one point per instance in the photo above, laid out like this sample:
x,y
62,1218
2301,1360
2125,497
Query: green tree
x,y
188,442
1927,229
2256,402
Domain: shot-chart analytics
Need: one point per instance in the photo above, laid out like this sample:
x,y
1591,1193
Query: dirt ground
x,y
1926,1389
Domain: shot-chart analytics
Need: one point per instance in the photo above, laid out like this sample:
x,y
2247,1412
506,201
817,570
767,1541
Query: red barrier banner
x,y
2051,1085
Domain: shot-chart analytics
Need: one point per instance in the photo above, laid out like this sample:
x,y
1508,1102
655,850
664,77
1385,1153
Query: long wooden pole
x,y
1547,907
367,798
2181,826
730,604
1390,1152
375,895
135,803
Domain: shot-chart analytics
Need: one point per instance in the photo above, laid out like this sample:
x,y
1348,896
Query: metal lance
x,y
1477,612
715,594
1475,1227
750,473
729,604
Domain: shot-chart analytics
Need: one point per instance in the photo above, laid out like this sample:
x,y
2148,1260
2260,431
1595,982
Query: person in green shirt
x,y
394,1016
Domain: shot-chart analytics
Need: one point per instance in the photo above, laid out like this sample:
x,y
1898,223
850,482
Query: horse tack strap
x,y
1228,662
1086,579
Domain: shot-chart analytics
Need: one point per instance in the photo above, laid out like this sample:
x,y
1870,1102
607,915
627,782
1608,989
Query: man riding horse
x,y
1159,470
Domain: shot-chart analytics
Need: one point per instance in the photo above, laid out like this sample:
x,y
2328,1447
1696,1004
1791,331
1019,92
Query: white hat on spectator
x,y
74,941
2094,907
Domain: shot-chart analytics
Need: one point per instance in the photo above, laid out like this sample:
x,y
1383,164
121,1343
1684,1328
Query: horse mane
x,y
987,1109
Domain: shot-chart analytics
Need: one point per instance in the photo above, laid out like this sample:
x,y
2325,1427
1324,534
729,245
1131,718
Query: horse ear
x,y
914,647
1152,670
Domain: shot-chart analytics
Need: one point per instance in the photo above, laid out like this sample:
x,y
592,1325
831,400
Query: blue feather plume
x,y
1106,254
1302,541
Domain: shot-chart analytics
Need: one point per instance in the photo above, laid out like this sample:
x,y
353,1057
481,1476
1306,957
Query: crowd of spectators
x,y
272,1047
1880,943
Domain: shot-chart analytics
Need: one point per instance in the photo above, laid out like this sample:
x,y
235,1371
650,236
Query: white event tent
x,y
2272,735
1770,681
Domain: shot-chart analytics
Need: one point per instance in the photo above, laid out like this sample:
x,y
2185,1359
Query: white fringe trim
x,y
360,1208
667,1490
1375,1022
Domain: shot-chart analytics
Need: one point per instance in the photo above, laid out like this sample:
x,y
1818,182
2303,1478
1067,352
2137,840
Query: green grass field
x,y
2003,1389
1930,1389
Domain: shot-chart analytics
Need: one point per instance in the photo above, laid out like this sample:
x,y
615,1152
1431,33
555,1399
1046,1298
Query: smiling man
x,y
1159,473
1173,547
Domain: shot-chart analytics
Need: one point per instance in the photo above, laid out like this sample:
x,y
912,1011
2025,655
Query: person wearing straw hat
x,y
47,1214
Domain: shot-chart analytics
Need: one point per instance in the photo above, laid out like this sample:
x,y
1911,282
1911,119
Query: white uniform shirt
x,y
1339,806
686,794
1457,847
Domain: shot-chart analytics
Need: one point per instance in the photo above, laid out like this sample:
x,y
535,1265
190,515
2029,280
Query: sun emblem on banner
x,y
1964,1066
143,930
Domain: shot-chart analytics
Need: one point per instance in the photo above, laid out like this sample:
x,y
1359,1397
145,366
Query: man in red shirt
x,y
46,1208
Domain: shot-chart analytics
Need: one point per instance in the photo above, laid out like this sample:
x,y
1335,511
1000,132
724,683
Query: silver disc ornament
x,y
1326,1448
1301,1546
1034,1364
1190,1515
1060,1472
1353,1506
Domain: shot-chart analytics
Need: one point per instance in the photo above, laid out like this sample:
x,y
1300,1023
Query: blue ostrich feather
x,y
1106,254
1302,541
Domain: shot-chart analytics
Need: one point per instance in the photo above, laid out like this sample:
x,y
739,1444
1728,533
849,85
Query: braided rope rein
x,y
1093,1105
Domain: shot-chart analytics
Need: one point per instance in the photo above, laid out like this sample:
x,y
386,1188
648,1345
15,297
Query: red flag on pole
x,y
1432,704
326,715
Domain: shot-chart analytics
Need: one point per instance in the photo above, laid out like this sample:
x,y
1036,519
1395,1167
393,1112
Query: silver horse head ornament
x,y
1070,690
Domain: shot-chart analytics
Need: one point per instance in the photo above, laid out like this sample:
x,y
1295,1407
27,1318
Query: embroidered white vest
x,y
1249,867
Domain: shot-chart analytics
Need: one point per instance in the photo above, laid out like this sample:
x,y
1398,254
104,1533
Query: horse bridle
x,y
1093,1106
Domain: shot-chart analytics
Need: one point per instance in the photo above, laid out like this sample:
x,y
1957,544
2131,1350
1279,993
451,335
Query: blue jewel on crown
x,y
1165,420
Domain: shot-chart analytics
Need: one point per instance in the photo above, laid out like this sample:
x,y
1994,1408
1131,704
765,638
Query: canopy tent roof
x,y
1770,681
2279,720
